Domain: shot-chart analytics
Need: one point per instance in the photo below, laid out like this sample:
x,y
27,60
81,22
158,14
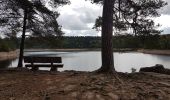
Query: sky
x,y
78,18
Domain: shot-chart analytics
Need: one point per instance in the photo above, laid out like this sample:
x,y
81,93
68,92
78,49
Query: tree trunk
x,y
107,33
21,55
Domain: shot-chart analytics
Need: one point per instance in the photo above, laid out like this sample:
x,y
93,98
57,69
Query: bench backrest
x,y
32,59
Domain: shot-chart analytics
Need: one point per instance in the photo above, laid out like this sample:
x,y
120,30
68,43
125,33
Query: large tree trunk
x,y
107,33
21,55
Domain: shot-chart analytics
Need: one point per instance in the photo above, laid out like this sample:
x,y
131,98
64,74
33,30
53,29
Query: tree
x,y
134,15
122,15
21,54
9,18
107,31
31,19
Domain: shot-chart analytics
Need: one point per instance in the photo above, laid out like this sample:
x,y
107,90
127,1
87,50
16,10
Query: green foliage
x,y
8,44
63,42
119,42
82,42
126,41
41,20
4,47
164,42
136,15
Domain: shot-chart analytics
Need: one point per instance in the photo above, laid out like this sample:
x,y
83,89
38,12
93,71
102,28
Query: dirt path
x,y
25,85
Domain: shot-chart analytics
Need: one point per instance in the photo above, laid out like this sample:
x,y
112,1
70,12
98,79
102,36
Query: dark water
x,y
6,63
91,60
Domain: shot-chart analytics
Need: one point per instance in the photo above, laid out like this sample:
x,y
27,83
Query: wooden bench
x,y
36,62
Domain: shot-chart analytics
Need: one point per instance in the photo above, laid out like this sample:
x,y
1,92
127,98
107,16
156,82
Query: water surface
x,y
91,60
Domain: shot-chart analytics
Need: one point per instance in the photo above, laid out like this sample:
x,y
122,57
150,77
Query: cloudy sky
x,y
77,19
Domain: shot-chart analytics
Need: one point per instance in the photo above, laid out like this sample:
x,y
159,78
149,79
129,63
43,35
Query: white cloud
x,y
164,18
166,30
165,10
163,21
78,18
81,33
72,22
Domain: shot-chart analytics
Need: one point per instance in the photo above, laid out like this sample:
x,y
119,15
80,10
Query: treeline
x,y
119,42
8,44
63,42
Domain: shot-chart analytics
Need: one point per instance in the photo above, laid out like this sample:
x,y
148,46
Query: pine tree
x,y
120,16
35,15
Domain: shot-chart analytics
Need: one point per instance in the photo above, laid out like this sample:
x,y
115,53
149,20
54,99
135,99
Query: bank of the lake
x,y
154,51
147,51
62,50
72,85
8,55
91,60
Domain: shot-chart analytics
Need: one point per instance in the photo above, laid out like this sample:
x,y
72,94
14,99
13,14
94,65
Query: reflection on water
x,y
5,64
8,63
91,60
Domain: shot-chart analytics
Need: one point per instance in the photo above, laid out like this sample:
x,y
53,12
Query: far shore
x,y
78,49
14,54
9,55
147,51
62,50
157,52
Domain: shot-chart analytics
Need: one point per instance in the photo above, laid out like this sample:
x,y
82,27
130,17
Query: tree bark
x,y
107,33
21,55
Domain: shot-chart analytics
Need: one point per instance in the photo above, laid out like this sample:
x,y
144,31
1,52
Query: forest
x,y
64,42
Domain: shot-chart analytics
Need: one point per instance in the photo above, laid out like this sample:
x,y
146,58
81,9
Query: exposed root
x,y
109,72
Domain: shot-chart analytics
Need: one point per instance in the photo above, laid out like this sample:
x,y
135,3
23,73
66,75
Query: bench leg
x,y
53,69
35,68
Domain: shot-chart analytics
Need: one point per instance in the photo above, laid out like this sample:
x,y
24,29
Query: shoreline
x,y
14,54
145,51
154,51
77,49
8,55
61,50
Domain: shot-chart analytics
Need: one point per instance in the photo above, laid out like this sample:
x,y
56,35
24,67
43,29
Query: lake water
x,y
91,60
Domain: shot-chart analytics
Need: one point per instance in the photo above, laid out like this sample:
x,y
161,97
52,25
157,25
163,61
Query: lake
x,y
91,60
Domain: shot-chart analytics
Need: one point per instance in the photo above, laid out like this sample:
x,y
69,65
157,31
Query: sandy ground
x,y
158,52
71,85
9,55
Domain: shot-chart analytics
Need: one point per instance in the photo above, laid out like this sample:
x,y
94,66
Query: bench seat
x,y
45,65
36,62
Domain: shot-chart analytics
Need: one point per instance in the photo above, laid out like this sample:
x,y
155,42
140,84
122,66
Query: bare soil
x,y
72,85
